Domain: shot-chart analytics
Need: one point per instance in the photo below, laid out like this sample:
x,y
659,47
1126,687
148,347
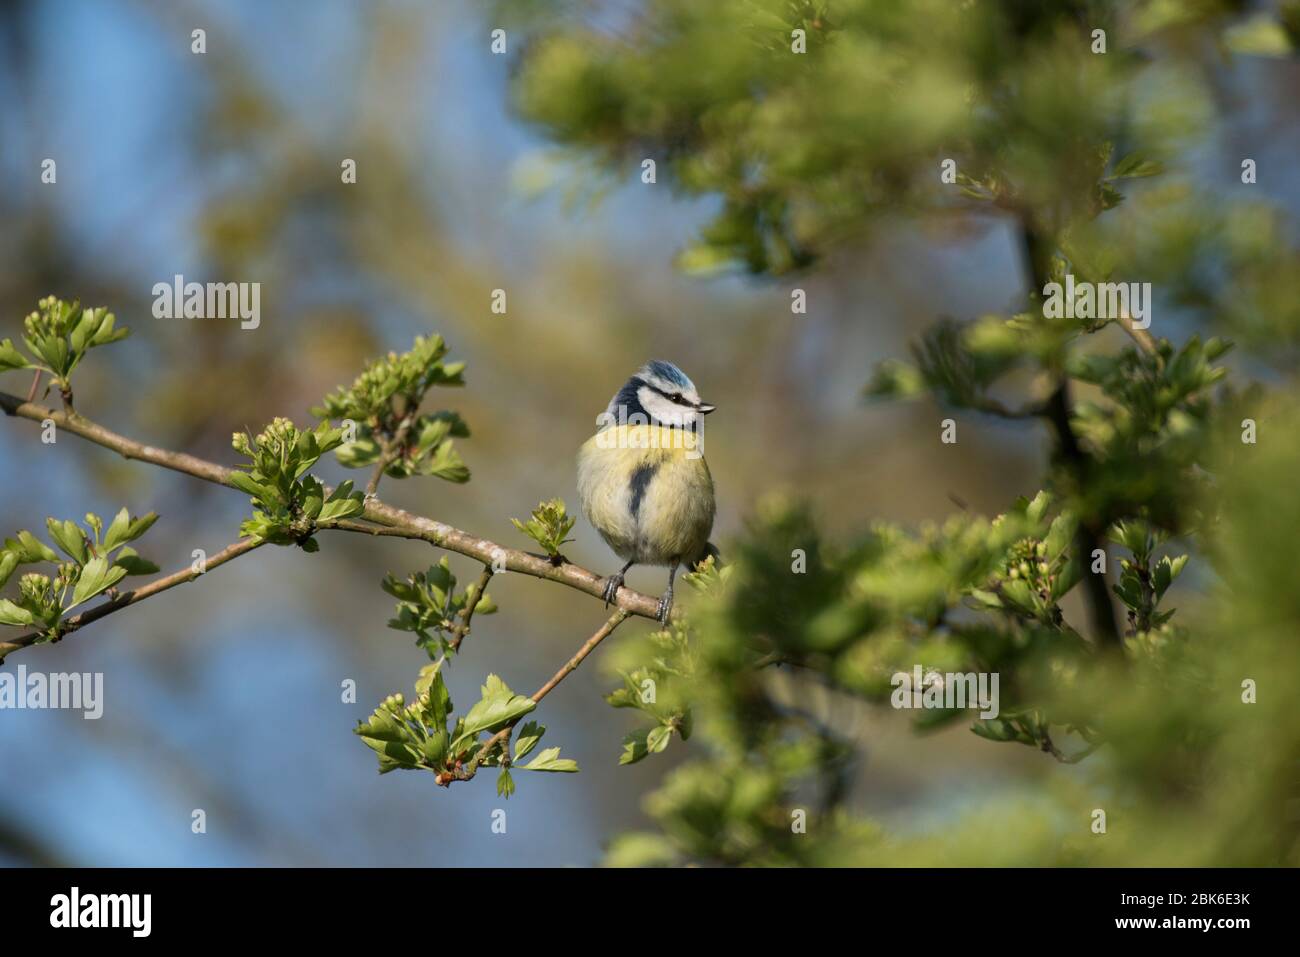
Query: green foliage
x,y
1143,580
1186,720
718,96
290,504
426,734
58,335
97,559
383,404
654,687
548,527
1082,153
497,707
429,606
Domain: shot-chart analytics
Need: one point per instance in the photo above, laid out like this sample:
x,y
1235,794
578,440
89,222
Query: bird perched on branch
x,y
642,477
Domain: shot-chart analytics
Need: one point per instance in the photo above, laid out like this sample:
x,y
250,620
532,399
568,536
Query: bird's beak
x,y
704,408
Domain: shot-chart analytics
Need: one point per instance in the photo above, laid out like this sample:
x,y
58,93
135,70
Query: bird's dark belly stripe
x,y
640,482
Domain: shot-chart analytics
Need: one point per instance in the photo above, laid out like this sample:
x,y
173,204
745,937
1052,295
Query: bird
x,y
642,478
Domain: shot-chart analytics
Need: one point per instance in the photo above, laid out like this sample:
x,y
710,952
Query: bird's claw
x,y
664,609
612,585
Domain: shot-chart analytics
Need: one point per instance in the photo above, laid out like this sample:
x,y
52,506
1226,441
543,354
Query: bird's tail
x,y
708,551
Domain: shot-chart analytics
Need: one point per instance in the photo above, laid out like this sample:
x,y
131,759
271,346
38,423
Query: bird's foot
x,y
665,607
612,584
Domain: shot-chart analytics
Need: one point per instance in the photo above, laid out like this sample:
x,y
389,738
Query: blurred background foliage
x,y
775,170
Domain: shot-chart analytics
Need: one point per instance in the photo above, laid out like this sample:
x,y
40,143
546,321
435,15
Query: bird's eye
x,y
676,397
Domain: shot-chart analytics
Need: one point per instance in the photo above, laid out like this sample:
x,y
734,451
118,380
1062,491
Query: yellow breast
x,y
647,490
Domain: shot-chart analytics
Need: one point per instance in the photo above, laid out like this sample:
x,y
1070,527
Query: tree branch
x,y
394,521
1101,613
155,587
503,736
1143,338
587,648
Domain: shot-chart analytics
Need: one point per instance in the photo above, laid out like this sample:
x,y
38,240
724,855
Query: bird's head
x,y
662,394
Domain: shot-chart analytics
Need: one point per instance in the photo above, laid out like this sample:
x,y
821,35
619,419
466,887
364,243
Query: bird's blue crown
x,y
666,372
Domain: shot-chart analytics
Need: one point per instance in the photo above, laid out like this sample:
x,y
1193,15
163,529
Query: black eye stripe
x,y
675,398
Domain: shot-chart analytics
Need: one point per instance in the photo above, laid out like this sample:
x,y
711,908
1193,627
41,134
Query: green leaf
x,y
1059,536
550,760
1161,577
434,747
10,357
382,726
498,706
52,349
96,576
1130,592
1067,578
657,738
107,333
548,526
358,454
1166,570
392,754
246,483
84,329
117,529
439,698
446,464
128,559
1136,166
11,614
8,562
995,729
634,746
68,537
505,784
342,504
623,698
1018,593
30,549
527,739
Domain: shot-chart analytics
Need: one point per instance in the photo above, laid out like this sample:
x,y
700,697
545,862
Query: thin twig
x,y
1146,342
587,648
503,736
467,613
459,632
126,598
392,450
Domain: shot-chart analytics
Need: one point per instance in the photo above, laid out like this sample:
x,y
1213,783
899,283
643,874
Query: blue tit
x,y
642,477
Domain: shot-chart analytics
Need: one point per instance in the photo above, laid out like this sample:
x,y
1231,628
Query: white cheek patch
x,y
662,409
